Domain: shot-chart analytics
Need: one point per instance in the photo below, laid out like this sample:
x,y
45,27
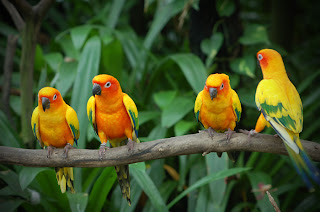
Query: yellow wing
x,y
73,123
91,112
282,111
35,126
132,112
236,105
197,106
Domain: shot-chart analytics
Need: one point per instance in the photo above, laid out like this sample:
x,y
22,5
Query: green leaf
x,y
225,7
145,116
114,14
27,175
176,111
67,75
218,187
193,69
54,60
11,205
158,132
79,35
139,166
67,45
306,82
164,98
206,180
78,201
101,188
38,58
211,47
87,68
149,188
8,136
165,10
182,127
245,66
254,34
259,179
12,180
112,61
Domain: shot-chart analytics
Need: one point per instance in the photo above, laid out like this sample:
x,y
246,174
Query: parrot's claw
x,y
276,135
249,133
102,150
211,132
66,150
130,145
50,151
229,134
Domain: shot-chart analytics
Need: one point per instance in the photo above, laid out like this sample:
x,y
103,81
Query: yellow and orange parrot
x,y
55,125
217,106
114,117
280,104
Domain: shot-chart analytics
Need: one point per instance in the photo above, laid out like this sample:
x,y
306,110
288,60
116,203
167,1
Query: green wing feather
x,y
132,112
282,108
236,105
91,112
35,126
197,106
73,122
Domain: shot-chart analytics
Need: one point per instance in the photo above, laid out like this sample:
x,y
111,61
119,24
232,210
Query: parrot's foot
x,y
229,134
50,151
276,135
66,150
130,145
102,150
211,132
249,133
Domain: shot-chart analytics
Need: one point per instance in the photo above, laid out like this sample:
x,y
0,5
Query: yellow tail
x,y
124,182
65,178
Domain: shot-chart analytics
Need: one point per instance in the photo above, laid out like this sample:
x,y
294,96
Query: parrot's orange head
x,y
49,98
217,85
267,57
105,85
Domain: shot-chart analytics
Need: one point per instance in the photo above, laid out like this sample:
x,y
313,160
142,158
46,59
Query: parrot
x,y
279,102
55,125
114,117
217,106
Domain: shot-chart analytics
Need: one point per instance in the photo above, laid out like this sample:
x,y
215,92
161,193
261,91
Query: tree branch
x,y
18,21
162,148
24,8
42,8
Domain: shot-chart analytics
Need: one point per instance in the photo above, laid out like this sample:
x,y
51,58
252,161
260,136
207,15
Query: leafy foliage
x,y
142,45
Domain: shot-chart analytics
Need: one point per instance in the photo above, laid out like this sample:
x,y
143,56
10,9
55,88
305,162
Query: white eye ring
x,y
107,85
260,57
54,97
221,86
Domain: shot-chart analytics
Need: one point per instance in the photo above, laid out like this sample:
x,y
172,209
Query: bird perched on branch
x,y
217,106
114,117
280,104
55,125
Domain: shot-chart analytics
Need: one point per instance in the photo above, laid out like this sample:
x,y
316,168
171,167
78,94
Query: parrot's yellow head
x,y
217,85
105,85
271,62
49,98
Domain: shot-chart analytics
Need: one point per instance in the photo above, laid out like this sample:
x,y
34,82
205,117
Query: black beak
x,y
45,103
258,63
96,90
213,93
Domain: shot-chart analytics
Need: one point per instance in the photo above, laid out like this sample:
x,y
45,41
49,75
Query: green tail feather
x,y
124,182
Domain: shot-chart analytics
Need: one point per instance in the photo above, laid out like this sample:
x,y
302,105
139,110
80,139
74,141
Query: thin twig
x,y
18,21
162,148
274,204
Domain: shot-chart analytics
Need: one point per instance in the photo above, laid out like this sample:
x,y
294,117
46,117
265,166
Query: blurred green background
x,y
161,51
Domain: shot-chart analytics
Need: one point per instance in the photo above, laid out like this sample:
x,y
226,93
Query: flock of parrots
x,y
114,117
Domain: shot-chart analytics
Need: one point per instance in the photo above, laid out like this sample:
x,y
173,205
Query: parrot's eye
x,y
54,97
221,86
108,84
260,57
